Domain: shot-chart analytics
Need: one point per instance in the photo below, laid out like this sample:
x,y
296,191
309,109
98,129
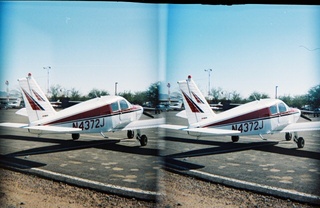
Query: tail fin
x,y
197,108
37,104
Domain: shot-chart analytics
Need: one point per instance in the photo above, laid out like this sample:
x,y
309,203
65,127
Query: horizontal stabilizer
x,y
182,114
144,124
305,126
22,112
52,129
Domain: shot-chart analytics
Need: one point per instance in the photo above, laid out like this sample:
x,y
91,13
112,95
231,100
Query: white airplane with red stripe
x,y
98,115
265,116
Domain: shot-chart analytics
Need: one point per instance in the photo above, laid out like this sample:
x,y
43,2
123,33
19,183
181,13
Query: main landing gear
x,y
143,139
296,139
75,136
235,138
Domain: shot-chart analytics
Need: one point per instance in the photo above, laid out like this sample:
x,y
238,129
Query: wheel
x,y
75,136
288,136
143,140
235,138
130,134
300,142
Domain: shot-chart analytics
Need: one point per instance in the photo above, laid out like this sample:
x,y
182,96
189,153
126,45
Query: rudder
x,y
37,104
197,107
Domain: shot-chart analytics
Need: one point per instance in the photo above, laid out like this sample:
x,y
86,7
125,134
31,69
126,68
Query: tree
x,y
97,93
55,92
216,94
236,98
153,93
314,96
127,95
140,98
287,99
257,96
75,94
299,101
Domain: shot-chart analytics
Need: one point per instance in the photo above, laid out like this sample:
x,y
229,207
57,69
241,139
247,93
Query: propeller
x,y
305,117
148,114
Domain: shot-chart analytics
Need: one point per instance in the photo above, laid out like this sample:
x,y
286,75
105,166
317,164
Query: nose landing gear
x,y
298,140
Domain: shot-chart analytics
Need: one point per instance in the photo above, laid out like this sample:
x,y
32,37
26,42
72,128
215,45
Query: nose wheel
x,y
143,139
298,140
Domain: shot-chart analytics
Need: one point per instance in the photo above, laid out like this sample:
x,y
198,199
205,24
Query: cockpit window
x,y
114,106
282,107
273,109
123,105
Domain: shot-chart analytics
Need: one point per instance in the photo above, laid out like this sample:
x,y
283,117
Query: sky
x,y
94,45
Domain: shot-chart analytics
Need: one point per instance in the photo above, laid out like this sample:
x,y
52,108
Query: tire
x,y
300,142
130,134
288,136
75,136
235,138
143,140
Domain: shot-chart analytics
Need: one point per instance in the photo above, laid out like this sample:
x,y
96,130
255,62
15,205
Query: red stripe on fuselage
x,y
255,115
103,111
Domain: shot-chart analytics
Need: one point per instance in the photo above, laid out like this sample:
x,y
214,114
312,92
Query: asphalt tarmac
x,y
118,165
115,164
272,166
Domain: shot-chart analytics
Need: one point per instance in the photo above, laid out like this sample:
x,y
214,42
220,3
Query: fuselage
x,y
103,114
258,117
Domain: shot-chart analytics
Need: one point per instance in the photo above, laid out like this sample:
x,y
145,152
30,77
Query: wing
x,y
14,125
213,131
144,124
49,129
305,126
54,129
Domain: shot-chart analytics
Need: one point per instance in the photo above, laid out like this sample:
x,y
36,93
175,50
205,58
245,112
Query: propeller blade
x,y
305,117
148,114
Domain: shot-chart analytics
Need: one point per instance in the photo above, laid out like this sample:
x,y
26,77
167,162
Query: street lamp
x,y
168,85
208,70
7,83
47,68
115,88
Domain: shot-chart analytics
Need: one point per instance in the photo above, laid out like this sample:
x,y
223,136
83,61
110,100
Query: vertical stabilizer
x,y
197,107
37,104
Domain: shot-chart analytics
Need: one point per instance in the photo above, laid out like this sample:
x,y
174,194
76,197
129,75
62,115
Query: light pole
x,y
168,85
48,84
208,70
115,88
7,83
276,95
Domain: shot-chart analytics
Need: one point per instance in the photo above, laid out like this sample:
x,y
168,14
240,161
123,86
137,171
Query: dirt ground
x,y
22,190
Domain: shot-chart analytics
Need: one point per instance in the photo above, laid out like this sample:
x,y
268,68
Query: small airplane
x,y
265,116
98,115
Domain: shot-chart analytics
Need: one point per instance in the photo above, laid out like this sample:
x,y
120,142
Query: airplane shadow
x,y
223,147
20,163
59,145
228,147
